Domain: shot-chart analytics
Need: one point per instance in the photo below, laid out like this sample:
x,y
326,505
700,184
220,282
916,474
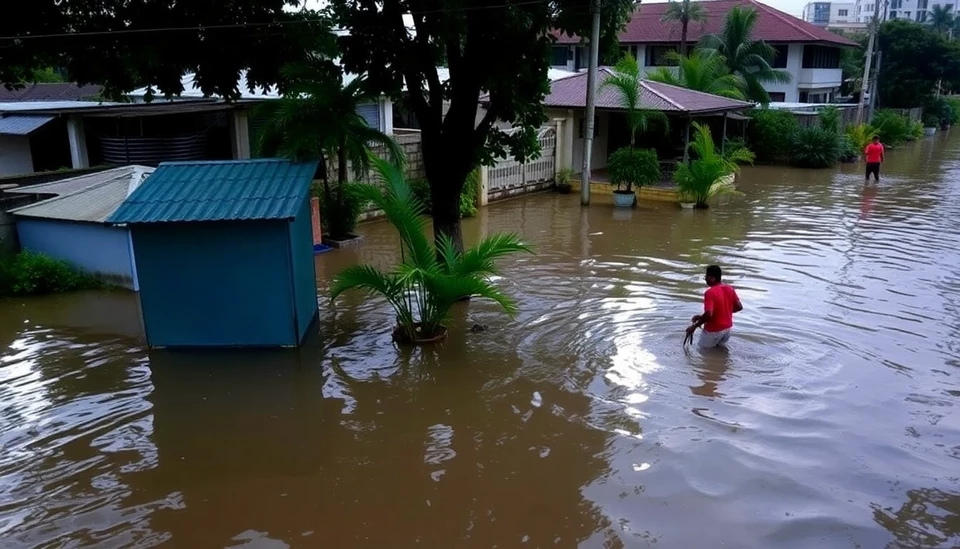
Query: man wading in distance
x,y
873,154
720,301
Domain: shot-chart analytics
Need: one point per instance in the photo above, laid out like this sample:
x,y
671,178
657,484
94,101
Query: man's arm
x,y
883,151
737,306
700,320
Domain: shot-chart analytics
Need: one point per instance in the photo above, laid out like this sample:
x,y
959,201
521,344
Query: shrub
x,y
892,128
468,197
848,151
29,273
769,133
830,119
633,167
861,136
701,178
563,178
916,131
340,209
954,104
815,148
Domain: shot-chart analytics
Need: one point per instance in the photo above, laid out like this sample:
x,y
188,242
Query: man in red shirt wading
x,y
874,156
719,303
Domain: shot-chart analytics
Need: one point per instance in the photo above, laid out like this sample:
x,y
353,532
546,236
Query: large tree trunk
x,y
447,167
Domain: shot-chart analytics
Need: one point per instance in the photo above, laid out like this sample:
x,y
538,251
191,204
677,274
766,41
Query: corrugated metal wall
x,y
304,270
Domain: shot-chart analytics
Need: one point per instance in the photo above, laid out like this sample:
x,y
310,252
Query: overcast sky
x,y
793,7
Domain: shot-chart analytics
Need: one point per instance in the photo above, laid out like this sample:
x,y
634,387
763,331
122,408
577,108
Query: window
x,y
842,13
626,50
559,56
893,15
921,17
804,97
656,56
820,57
896,4
780,59
922,4
906,15
777,97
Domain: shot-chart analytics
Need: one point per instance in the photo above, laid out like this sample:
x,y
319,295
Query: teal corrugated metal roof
x,y
232,190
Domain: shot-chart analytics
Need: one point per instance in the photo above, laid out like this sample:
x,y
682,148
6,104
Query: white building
x,y
811,54
830,14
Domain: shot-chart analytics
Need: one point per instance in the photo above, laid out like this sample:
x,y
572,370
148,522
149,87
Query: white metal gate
x,y
507,173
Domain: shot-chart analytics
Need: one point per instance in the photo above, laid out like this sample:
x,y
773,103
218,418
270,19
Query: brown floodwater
x,y
833,420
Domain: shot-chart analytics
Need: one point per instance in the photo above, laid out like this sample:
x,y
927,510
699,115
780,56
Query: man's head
x,y
876,139
714,275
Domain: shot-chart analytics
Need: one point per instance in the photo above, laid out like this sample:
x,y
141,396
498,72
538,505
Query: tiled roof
x,y
91,197
49,92
22,124
572,93
773,26
232,190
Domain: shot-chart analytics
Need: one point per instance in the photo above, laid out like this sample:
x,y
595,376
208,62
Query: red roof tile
x,y
645,27
571,92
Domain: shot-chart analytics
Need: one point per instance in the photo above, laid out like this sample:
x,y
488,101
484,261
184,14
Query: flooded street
x,y
833,420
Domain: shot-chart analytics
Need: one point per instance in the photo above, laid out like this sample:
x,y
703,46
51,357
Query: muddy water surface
x,y
831,422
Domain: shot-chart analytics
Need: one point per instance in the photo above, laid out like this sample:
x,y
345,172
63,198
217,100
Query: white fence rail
x,y
508,174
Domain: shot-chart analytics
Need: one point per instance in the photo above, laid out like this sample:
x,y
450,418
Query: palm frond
x,y
480,258
365,277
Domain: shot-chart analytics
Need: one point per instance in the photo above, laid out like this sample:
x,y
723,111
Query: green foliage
x,y
705,71
29,273
430,277
468,197
565,176
770,133
317,120
633,167
217,40
815,148
703,176
340,207
861,136
748,58
941,19
848,151
464,38
625,82
830,119
915,58
892,128
936,110
954,104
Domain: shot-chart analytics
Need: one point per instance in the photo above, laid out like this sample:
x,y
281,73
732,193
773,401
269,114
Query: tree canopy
x,y
704,71
914,59
124,44
684,11
493,48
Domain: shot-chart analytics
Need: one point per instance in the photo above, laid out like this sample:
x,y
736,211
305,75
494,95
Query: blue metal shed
x,y
224,253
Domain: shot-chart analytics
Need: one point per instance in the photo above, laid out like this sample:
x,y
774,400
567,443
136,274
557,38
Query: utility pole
x,y
865,84
588,123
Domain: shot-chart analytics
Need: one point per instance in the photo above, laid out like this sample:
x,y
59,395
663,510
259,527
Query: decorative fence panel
x,y
509,175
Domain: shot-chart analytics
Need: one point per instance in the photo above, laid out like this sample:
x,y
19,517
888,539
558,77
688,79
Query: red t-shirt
x,y
719,301
874,152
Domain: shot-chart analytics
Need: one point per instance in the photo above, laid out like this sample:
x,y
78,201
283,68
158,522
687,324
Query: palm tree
x,y
750,59
703,71
942,18
705,176
684,11
430,277
626,82
317,119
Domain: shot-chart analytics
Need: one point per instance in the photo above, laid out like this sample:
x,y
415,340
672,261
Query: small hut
x,y
224,253
70,224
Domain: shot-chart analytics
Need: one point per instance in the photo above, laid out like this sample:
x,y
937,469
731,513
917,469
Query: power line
x,y
257,25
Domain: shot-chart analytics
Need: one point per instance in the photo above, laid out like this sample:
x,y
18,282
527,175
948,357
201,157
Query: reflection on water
x,y
831,421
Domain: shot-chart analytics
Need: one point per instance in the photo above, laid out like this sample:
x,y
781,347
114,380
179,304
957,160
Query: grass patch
x,y
30,273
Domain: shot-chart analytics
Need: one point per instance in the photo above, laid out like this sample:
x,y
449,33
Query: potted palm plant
x,y
710,172
430,277
563,180
629,166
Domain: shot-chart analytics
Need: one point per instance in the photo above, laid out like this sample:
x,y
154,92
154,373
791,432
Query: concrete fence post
x,y
483,197
558,158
